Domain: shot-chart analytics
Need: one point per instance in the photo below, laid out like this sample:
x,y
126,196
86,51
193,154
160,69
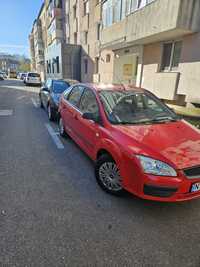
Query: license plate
x,y
195,187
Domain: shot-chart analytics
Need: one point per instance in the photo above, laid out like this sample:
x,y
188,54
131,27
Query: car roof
x,y
70,81
113,87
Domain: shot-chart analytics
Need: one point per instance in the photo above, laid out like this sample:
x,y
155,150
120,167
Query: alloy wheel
x,y
110,176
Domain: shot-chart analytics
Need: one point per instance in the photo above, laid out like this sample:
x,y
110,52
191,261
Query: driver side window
x,y
75,95
89,103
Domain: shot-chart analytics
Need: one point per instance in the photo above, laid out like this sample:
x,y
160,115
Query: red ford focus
x,y
137,142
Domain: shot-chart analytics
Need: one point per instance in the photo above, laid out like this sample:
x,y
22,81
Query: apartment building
x,y
149,43
62,58
155,45
51,55
37,42
32,50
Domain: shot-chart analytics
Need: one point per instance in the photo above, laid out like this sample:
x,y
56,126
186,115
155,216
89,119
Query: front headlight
x,y
156,167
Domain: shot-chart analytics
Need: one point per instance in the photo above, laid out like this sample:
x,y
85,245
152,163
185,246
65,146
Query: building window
x,y
53,66
107,58
171,55
85,37
74,11
107,13
75,38
98,31
57,65
96,65
85,66
47,65
117,9
86,8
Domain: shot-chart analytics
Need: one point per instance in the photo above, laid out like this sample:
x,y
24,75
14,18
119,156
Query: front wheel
x,y
108,175
50,112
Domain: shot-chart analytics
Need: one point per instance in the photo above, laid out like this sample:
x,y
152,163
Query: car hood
x,y
178,142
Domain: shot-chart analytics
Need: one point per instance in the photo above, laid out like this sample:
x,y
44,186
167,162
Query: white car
x,y
1,76
32,78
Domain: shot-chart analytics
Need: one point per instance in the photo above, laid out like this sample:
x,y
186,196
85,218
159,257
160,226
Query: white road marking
x,y
21,97
6,112
54,136
34,102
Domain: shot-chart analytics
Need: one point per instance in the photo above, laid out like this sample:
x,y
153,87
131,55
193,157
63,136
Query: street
x,y
53,213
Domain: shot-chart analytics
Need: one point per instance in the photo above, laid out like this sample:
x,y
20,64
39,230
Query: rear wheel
x,y
108,175
41,104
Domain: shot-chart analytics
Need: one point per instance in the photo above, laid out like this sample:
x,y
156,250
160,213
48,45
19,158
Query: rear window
x,y
35,75
60,86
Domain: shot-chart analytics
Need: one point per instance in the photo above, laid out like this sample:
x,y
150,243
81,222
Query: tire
x,y
61,128
108,176
41,104
50,112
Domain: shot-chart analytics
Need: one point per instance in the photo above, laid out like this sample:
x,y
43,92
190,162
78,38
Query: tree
x,y
24,66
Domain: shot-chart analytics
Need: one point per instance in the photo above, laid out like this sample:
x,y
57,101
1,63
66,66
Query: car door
x,y
88,131
69,110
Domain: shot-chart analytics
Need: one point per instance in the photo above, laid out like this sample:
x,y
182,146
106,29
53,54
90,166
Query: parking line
x,y
6,112
54,136
34,102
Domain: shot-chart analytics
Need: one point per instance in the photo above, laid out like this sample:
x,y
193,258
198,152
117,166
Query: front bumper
x,y
169,189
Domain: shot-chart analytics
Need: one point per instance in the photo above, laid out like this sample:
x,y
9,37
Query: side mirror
x,y
45,89
90,116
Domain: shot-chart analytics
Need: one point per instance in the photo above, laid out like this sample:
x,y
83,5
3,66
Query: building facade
x,y
155,45
148,43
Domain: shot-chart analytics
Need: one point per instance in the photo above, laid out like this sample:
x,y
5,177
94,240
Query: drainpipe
x,y
142,65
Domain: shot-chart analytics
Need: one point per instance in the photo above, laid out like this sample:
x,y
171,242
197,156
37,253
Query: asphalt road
x,y
52,212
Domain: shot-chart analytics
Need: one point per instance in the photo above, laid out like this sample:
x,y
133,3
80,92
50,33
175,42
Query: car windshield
x,y
35,75
60,86
128,107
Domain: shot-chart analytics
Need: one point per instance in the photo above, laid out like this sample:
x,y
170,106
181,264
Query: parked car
x,y
50,93
4,74
32,78
22,76
12,73
1,76
138,143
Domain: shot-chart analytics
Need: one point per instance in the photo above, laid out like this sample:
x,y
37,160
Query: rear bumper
x,y
33,82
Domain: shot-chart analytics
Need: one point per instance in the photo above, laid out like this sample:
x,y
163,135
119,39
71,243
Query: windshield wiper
x,y
163,119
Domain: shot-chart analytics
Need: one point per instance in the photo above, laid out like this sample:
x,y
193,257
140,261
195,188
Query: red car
x,y
137,142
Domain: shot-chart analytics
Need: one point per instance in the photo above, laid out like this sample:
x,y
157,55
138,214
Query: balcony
x,y
55,13
57,34
39,59
160,20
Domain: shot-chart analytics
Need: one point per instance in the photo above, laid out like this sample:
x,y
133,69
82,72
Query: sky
x,y
16,20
